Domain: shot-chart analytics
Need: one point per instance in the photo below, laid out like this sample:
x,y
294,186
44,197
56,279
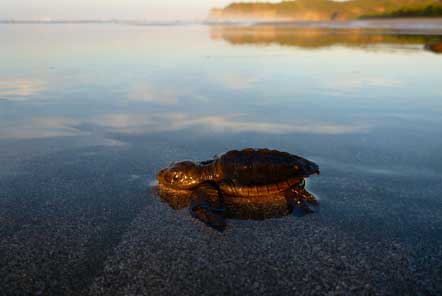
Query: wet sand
x,y
279,257
93,227
82,141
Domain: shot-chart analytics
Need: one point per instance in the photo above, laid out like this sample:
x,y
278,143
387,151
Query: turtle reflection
x,y
234,208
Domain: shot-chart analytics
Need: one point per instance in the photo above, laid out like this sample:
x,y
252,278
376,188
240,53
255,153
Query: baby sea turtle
x,y
240,177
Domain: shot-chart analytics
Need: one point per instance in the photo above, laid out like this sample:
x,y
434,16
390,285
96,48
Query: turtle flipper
x,y
207,206
301,201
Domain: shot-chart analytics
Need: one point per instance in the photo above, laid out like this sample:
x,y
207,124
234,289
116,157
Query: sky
x,y
106,9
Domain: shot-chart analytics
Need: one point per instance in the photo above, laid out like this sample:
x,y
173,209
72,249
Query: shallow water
x,y
90,113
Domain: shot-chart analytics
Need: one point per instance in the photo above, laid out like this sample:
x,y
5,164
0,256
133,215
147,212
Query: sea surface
x,y
89,113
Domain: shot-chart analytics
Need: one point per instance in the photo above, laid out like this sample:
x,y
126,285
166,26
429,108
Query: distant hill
x,y
327,10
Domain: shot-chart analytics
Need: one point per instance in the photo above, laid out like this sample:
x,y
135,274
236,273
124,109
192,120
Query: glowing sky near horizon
x,y
105,9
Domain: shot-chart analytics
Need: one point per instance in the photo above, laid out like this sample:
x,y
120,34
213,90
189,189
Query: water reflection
x,y
340,91
39,127
355,84
143,92
20,89
229,123
235,208
318,37
143,123
234,80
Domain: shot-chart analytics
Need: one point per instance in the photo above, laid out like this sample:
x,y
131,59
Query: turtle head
x,y
180,175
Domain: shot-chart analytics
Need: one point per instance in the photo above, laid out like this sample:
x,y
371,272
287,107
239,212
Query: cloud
x,y
235,123
20,89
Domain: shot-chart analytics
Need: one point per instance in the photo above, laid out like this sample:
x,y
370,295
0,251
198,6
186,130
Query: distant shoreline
x,y
424,24
98,22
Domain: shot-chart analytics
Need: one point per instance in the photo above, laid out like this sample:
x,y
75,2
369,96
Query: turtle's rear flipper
x,y
301,201
207,206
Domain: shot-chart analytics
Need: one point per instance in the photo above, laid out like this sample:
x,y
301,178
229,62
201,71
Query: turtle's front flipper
x,y
301,201
207,206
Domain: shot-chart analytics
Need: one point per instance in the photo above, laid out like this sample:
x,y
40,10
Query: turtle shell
x,y
257,167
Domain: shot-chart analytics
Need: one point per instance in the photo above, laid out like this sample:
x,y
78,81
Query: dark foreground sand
x,y
279,257
85,223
